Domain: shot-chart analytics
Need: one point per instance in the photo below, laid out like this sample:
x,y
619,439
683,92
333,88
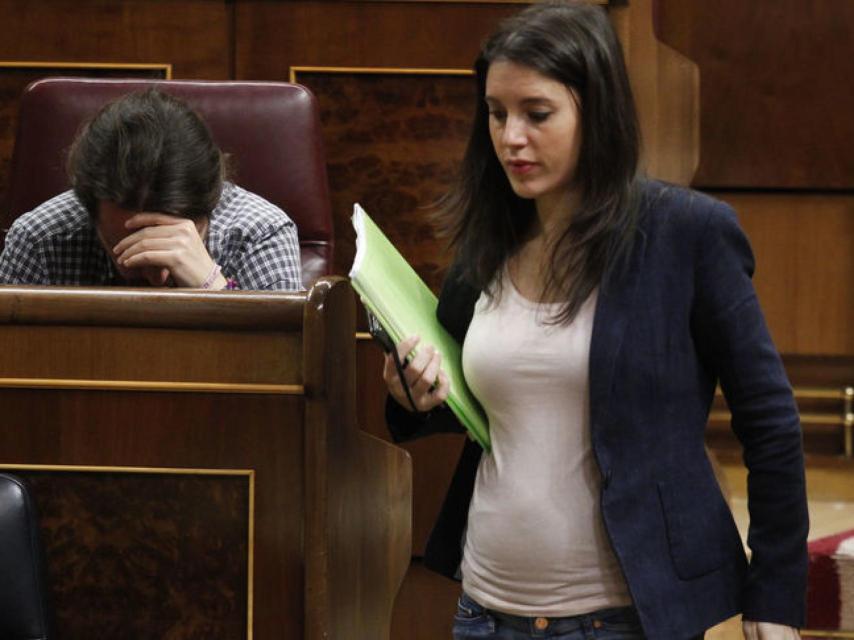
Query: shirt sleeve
x,y
271,261
735,342
22,260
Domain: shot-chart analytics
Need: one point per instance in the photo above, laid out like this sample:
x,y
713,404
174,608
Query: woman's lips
x,y
520,167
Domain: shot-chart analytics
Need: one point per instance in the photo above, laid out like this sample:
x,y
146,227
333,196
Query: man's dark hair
x,y
573,43
147,151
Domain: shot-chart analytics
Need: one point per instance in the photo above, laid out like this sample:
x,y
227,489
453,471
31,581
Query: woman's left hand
x,y
768,631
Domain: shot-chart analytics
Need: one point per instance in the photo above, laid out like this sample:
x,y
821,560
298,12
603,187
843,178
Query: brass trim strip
x,y
814,393
248,473
602,2
48,64
468,1
806,418
152,385
817,393
292,76
188,471
806,633
250,569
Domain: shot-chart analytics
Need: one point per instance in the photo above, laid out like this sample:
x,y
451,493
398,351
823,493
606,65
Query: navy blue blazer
x,y
680,319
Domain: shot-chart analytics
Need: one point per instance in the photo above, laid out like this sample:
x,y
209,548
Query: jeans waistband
x,y
559,625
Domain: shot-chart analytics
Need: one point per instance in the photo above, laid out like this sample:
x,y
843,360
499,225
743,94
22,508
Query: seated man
x,y
149,206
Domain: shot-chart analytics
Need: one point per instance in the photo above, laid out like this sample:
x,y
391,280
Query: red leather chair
x,y
270,129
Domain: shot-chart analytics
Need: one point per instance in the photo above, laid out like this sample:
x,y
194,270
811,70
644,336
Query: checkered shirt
x,y
253,242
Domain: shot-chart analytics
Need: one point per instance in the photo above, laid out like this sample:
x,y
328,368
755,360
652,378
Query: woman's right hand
x,y
428,384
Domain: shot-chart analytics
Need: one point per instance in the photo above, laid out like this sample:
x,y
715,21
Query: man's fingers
x,y
152,218
148,258
147,234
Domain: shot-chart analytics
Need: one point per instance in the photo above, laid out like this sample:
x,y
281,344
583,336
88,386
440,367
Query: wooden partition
x,y
197,464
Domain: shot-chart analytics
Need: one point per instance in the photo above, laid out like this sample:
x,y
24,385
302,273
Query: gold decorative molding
x,y
602,2
51,64
844,418
249,474
152,385
292,76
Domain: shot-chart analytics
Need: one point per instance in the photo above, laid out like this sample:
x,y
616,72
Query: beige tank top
x,y
535,541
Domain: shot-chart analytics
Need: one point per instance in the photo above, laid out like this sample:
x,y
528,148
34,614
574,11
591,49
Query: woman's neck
x,y
529,266
554,211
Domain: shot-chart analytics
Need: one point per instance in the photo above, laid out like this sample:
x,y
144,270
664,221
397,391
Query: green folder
x,y
405,306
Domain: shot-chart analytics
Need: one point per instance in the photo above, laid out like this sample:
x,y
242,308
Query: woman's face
x,y
535,126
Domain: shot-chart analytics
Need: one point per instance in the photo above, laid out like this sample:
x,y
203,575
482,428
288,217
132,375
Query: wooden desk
x,y
197,464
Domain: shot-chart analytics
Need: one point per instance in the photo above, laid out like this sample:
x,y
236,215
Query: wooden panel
x,y
804,267
270,37
193,35
14,77
332,505
666,91
775,105
173,548
177,430
425,605
392,143
117,354
358,488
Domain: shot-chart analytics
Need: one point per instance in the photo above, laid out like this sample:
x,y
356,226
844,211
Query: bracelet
x,y
211,277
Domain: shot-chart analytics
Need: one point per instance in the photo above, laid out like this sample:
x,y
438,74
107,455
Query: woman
x,y
597,312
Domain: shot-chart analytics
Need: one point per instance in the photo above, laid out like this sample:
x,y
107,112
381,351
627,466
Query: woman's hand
x,y
428,384
768,631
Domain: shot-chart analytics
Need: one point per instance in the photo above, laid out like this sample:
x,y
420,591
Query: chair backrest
x,y
271,131
23,610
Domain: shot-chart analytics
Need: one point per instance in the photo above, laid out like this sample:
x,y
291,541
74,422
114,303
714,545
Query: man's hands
x,y
163,246
428,384
768,631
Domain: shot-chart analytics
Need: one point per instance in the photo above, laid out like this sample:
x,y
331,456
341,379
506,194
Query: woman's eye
x,y
539,116
497,115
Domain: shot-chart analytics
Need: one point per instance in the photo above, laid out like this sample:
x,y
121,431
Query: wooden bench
x,y
197,464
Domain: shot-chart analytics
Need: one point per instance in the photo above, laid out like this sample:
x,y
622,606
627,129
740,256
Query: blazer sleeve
x,y
735,343
404,424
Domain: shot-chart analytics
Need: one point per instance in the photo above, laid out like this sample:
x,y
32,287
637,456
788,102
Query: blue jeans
x,y
474,621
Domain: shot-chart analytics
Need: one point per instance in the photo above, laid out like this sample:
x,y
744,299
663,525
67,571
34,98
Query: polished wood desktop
x,y
197,464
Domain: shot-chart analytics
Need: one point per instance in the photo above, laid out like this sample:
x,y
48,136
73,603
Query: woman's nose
x,y
515,134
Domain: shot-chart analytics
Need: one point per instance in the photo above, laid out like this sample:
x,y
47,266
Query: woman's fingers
x,y
428,384
425,382
405,346
443,387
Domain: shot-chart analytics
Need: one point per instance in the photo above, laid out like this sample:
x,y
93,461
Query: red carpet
x,y
830,591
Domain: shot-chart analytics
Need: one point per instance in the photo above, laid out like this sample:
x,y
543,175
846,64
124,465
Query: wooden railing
x,y
819,406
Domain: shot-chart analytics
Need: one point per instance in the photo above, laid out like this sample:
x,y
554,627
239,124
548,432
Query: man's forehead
x,y
111,220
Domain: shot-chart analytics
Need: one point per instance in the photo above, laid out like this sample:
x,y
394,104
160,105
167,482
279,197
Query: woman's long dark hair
x,y
573,43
